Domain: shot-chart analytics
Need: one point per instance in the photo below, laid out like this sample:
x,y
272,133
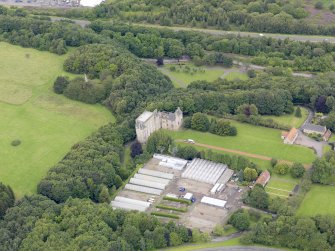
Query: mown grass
x,y
47,124
319,200
290,119
236,75
182,79
281,185
251,139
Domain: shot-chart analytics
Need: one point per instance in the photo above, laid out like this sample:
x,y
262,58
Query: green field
x,y
47,124
319,200
251,139
180,78
290,119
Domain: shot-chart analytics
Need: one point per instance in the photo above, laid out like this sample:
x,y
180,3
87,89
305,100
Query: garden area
x,y
290,119
182,75
37,126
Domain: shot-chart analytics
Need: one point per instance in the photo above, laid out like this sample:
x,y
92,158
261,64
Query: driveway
x,y
311,143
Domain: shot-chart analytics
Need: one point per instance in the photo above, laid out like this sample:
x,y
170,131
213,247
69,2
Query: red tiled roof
x,y
292,134
263,178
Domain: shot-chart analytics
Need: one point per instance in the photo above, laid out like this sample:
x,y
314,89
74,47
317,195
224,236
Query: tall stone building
x,y
148,122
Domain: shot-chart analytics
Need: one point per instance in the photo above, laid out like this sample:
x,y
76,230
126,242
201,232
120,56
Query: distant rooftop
x,y
144,116
315,128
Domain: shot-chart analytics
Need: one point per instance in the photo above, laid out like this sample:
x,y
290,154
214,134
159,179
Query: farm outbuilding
x,y
205,171
147,183
156,173
151,178
127,206
171,162
132,201
143,189
213,202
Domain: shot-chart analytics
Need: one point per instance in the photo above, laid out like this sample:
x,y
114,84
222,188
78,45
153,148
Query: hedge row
x,y
183,210
184,201
172,216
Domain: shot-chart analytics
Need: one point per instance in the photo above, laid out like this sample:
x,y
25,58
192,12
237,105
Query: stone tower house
x,y
148,122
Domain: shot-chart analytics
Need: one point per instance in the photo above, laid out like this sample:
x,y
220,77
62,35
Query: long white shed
x,y
156,173
151,178
132,201
143,189
213,202
127,206
147,183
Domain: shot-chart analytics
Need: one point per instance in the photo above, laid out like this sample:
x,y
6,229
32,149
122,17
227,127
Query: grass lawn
x,y
281,185
290,119
251,139
181,78
236,75
319,200
46,123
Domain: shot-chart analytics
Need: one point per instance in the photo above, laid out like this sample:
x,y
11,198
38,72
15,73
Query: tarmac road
x,y
239,248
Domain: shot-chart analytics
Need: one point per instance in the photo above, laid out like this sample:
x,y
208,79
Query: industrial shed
x,y
127,206
204,171
158,174
171,162
151,178
143,189
213,202
132,201
147,183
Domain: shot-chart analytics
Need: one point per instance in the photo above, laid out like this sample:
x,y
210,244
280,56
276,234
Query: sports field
x,y
251,139
319,200
290,119
47,124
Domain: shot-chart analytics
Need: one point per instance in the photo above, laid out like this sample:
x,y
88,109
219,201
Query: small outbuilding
x,y
263,178
291,136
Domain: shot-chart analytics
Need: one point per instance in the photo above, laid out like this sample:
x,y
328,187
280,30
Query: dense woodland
x,y
70,212
260,16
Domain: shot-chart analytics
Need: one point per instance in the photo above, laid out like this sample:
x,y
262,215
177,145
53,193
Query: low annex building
x,y
148,122
291,136
263,178
317,129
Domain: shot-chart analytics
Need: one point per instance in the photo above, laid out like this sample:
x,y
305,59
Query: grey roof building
x,y
311,128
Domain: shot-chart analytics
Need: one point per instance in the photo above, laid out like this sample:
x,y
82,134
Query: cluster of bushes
x,y
323,169
200,122
7,199
166,215
187,69
315,233
297,170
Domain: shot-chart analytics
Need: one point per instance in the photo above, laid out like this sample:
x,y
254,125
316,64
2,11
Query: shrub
x,y
187,123
166,215
281,168
240,220
251,73
16,142
200,122
60,84
187,152
297,170
136,149
318,5
298,112
274,162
